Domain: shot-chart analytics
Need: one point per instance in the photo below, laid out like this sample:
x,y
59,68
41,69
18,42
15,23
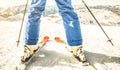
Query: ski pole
x,y
109,40
18,41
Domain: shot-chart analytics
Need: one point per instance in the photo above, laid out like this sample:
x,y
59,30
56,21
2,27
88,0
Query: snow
x,y
100,53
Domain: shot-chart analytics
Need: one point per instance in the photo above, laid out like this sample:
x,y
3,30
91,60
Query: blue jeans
x,y
69,17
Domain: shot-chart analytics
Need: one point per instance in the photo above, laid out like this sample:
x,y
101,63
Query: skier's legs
x,y
71,22
33,22
72,28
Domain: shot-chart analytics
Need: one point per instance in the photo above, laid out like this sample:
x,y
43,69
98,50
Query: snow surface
x,y
100,53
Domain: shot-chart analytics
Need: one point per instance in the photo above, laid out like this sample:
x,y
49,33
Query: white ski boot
x,y
78,52
28,52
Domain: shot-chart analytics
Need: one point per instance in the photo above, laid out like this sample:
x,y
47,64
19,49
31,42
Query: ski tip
x,y
57,39
45,39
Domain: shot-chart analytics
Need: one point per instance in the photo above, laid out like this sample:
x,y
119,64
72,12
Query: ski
x,y
84,63
40,45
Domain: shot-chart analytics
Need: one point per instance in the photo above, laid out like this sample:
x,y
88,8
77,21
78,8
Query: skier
x,y
70,22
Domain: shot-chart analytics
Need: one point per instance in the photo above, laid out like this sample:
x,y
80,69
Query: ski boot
x,y
79,54
76,50
28,52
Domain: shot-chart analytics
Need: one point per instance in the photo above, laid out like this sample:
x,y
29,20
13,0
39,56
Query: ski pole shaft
x,y
18,41
109,40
